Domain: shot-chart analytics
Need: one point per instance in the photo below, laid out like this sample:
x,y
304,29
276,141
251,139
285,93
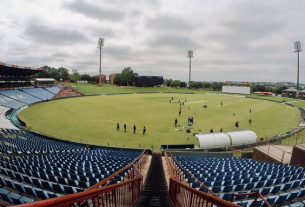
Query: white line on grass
x,y
195,102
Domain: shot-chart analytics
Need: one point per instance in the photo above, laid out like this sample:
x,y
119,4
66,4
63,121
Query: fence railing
x,y
123,194
182,195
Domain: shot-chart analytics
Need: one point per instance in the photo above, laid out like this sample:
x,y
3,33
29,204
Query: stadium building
x,y
38,170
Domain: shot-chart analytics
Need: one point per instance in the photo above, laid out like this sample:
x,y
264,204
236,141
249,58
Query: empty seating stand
x,y
39,168
20,96
53,89
40,93
21,142
10,103
279,184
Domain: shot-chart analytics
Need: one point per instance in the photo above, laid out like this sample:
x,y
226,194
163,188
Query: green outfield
x,y
93,119
89,89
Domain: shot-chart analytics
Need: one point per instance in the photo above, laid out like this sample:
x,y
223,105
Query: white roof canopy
x,y
44,79
229,139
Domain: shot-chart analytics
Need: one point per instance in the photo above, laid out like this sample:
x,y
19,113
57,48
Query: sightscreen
x,y
236,89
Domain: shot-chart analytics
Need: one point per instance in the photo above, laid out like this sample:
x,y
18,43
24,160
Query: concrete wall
x,y
298,156
262,156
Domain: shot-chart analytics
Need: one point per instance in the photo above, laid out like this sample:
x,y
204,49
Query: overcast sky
x,y
242,40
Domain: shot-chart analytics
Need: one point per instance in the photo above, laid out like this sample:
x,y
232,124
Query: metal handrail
x,y
78,197
183,195
111,177
201,185
255,194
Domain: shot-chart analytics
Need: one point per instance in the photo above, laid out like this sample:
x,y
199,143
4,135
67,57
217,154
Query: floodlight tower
x,y
100,45
298,49
190,56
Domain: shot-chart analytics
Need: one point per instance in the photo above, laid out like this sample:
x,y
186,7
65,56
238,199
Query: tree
x,y
60,74
279,89
168,82
175,83
118,79
95,79
75,76
206,85
216,86
183,84
126,77
258,88
43,74
63,73
86,77
196,85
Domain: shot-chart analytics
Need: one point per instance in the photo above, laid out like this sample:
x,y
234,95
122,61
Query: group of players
x,y
191,119
134,128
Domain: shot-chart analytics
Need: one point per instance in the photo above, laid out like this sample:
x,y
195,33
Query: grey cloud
x,y
232,39
150,3
168,23
173,41
100,30
95,11
47,35
248,22
118,52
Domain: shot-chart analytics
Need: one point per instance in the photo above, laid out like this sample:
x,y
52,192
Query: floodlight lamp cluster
x,y
100,42
298,46
190,54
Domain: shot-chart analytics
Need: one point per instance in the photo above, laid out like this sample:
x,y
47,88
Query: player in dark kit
x,y
134,129
118,126
237,124
144,130
125,127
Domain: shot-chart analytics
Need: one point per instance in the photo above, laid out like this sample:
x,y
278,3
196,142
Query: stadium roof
x,y
44,79
291,90
15,70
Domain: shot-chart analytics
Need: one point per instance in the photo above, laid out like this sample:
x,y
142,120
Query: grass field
x,y
93,119
89,89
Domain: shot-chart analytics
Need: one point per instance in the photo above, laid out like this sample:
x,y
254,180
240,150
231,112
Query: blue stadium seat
x,y
271,200
227,189
275,189
292,195
282,198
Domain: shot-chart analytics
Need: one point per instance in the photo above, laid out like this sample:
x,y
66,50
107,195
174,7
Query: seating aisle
x,y
4,122
155,188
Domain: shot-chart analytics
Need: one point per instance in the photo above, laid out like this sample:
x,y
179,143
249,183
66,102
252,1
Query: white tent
x,y
240,138
213,140
229,139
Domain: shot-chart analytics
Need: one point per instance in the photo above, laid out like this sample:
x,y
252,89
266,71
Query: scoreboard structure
x,y
148,81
